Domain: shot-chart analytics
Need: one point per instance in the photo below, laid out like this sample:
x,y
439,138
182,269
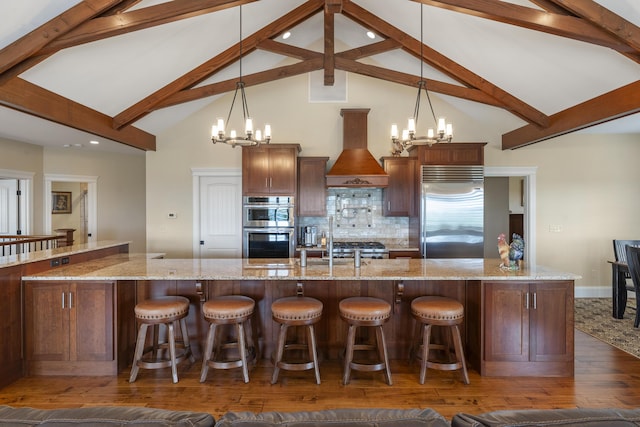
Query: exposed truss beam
x,y
195,76
592,12
563,25
329,47
618,103
31,99
37,39
444,64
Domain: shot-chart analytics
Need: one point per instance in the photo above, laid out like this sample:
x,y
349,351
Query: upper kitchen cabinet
x,y
312,189
270,169
398,199
456,153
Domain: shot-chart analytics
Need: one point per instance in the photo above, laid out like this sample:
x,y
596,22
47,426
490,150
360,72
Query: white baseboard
x,y
593,292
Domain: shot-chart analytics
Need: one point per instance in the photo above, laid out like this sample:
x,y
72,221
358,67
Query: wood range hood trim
x,y
356,167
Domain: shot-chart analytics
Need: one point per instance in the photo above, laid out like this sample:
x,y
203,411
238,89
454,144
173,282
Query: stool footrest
x,y
368,367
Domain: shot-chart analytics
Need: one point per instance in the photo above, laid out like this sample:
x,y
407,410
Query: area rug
x,y
593,316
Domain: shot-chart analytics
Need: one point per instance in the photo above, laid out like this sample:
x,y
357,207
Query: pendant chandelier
x,y
250,139
444,130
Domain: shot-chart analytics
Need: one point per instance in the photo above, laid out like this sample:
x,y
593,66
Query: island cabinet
x,y
71,327
399,197
11,325
312,189
528,328
270,170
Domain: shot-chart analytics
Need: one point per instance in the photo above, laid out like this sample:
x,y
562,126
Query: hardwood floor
x,y
604,377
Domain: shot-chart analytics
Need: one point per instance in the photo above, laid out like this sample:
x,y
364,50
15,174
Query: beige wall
x,y
586,184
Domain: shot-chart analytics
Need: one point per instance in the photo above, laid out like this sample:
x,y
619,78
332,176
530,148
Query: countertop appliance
x,y
367,250
452,212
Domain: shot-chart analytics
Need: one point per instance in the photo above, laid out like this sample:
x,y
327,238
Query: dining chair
x,y
633,261
621,255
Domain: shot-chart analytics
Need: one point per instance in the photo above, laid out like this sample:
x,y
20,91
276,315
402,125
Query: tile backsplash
x,y
357,216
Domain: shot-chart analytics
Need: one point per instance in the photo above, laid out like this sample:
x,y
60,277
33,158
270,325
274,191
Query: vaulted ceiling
x,y
114,68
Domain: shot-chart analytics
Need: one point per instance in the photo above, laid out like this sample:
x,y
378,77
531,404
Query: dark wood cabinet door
x,y
46,321
255,171
91,321
465,153
11,325
398,199
312,189
552,323
506,322
283,171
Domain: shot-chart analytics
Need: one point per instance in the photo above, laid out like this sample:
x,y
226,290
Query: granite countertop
x,y
142,267
45,254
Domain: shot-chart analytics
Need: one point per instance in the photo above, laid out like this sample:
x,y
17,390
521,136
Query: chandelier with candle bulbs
x,y
250,138
444,130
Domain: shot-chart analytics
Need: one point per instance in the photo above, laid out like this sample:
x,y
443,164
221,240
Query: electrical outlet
x,y
554,228
172,215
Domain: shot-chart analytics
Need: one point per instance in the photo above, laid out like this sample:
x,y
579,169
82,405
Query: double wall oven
x,y
268,224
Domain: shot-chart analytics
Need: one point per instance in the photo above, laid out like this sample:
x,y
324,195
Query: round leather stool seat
x,y
170,311
228,307
365,312
438,311
162,309
296,311
228,310
365,309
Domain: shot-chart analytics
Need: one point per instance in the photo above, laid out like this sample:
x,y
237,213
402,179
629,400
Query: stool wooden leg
x,y
172,350
382,353
426,338
208,347
242,347
457,342
348,357
313,353
185,339
282,338
142,335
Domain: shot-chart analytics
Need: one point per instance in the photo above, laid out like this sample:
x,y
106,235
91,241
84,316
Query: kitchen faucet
x,y
330,242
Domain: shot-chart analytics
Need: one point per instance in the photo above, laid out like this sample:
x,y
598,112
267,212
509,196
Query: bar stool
x,y
232,310
366,312
439,311
296,311
170,311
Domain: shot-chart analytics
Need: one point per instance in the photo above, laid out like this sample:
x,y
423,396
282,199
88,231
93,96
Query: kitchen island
x,y
517,323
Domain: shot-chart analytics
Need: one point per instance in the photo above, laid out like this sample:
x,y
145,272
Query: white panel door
x,y
220,217
8,206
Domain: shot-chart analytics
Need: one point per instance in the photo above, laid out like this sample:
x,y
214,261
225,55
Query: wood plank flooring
x,y
604,377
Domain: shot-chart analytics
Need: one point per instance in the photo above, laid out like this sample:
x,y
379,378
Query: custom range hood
x,y
356,167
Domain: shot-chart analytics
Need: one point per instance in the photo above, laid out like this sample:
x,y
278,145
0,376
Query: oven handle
x,y
269,229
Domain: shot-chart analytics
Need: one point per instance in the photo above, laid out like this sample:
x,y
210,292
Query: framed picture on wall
x,y
61,202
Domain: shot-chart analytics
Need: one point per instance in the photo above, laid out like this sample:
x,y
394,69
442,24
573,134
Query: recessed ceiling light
x,y
286,35
371,34
94,142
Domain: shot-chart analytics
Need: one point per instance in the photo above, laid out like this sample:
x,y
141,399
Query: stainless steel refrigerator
x,y
452,211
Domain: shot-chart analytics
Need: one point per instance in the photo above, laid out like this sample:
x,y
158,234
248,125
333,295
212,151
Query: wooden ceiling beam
x,y
612,105
218,88
287,50
412,80
45,34
563,25
333,6
139,19
198,74
370,49
592,12
26,97
444,64
329,47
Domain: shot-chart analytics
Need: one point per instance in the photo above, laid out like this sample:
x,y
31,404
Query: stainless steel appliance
x,y
308,235
271,211
268,227
452,212
367,250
